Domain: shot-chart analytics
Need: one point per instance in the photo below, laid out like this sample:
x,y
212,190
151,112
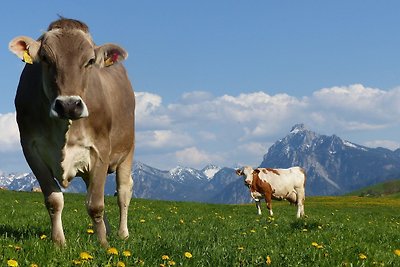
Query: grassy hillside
x,y
389,188
339,231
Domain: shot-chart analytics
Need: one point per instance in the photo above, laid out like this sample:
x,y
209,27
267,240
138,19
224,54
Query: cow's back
x,y
283,181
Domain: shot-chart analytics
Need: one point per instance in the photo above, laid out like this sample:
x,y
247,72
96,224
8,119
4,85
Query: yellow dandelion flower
x,y
268,261
90,224
181,221
112,251
85,256
397,252
12,263
42,237
162,265
33,265
171,263
76,262
320,246
240,248
188,255
17,248
165,257
142,220
252,231
305,230
159,218
126,253
314,244
120,264
362,256
90,231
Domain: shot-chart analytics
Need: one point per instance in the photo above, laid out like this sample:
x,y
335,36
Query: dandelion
x,y
171,263
33,265
362,256
12,263
188,255
42,237
268,261
314,244
142,221
165,257
85,256
252,231
112,251
181,221
120,264
397,252
126,253
90,231
162,265
240,248
159,218
76,262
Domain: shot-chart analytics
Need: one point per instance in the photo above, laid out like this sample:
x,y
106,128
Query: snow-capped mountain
x,y
333,166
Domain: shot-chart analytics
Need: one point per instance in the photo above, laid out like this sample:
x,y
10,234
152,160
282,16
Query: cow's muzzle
x,y
69,108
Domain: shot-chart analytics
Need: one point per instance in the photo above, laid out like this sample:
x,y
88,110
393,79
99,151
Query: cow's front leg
x,y
55,204
258,206
124,189
53,197
268,200
95,201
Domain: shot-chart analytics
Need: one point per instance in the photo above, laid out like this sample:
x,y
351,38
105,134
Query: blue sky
x,y
220,81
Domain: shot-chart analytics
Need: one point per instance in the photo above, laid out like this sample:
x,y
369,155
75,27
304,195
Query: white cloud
x,y
162,139
9,134
393,145
194,157
149,111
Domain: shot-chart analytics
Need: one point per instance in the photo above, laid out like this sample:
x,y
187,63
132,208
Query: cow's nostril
x,y
58,106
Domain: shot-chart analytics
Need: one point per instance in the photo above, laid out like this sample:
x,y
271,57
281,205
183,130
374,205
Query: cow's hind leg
x,y
124,192
268,200
300,202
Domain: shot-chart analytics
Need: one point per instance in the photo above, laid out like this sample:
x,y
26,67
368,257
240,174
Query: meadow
x,y
338,231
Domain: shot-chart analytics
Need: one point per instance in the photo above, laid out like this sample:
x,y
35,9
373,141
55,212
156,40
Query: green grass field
x,y
338,231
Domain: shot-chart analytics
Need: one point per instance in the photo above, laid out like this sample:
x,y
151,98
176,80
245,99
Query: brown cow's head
x,y
68,56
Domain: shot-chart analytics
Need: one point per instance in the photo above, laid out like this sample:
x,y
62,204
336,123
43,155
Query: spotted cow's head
x,y
68,56
247,173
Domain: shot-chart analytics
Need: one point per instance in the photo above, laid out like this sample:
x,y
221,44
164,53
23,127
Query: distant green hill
x,y
388,188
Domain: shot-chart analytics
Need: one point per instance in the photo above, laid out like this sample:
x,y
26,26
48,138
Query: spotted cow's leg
x,y
258,206
268,199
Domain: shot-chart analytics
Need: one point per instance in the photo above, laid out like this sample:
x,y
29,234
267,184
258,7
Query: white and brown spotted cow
x,y
75,112
271,184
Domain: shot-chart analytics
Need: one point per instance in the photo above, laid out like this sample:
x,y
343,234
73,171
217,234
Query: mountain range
x,y
333,166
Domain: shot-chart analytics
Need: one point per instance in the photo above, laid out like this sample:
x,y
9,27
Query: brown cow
x,y
75,113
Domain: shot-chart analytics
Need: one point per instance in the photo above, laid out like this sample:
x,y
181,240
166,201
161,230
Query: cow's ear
x,y
25,48
239,172
109,54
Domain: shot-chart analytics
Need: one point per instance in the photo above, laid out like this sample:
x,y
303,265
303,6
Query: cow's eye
x,y
90,62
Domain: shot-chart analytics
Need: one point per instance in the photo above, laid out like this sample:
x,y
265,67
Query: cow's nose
x,y
69,107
